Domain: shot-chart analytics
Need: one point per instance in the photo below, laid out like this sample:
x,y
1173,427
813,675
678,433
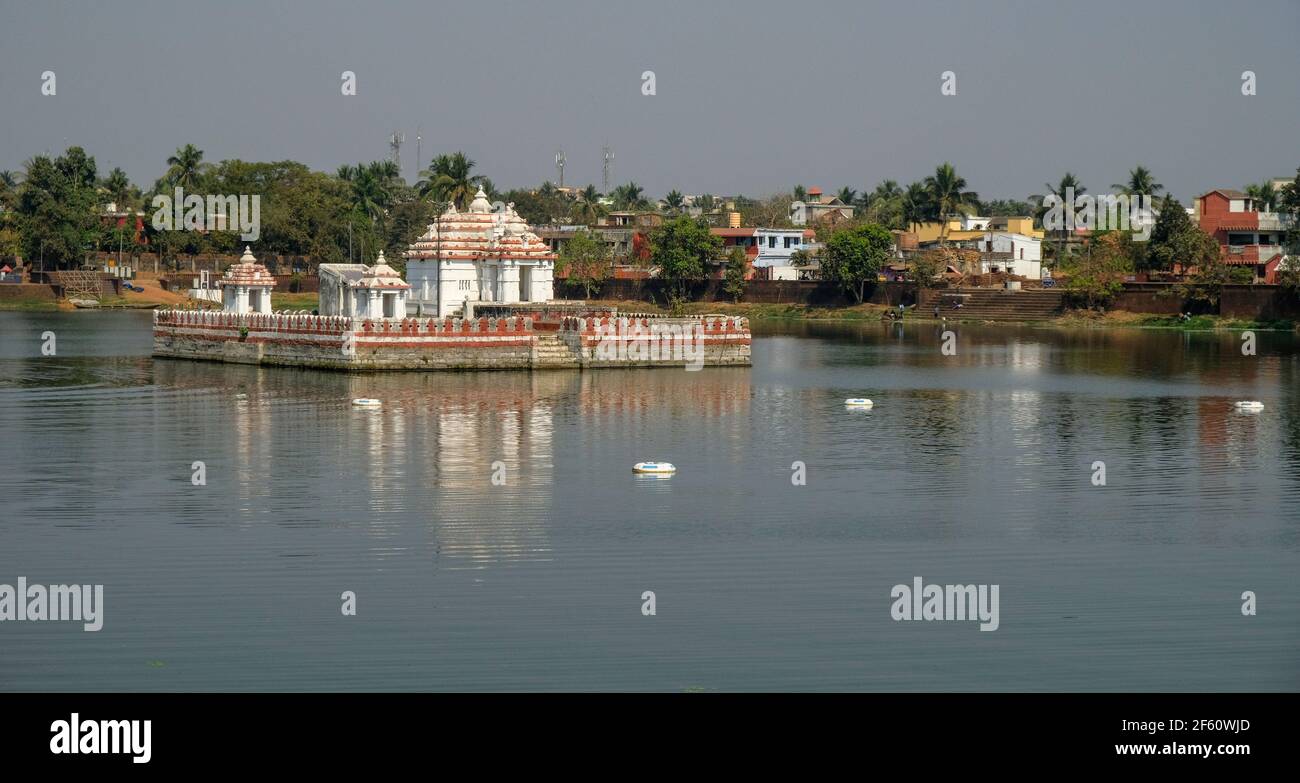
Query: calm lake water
x,y
971,469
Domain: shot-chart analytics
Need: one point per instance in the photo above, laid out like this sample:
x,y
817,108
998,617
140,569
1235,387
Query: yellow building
x,y
967,228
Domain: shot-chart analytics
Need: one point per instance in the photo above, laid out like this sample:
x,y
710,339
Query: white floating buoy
x,y
1249,405
858,402
654,467
366,402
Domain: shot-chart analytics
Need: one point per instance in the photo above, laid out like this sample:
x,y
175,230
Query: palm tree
x,y
1062,190
674,201
847,195
117,188
1140,183
948,196
916,207
185,168
448,178
875,203
1263,194
8,188
588,208
386,171
706,202
629,196
369,194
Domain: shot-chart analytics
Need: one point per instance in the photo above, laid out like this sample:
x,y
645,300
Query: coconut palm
x,y
1263,194
847,195
629,196
1062,190
386,171
588,209
1140,183
117,188
948,196
674,201
369,193
185,169
448,178
916,207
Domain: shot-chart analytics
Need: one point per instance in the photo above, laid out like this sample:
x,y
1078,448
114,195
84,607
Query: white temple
x,y
363,291
246,286
479,255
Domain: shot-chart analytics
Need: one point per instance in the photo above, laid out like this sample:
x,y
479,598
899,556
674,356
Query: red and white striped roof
x,y
247,272
480,233
381,275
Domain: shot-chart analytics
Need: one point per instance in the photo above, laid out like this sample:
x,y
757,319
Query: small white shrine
x,y
362,291
246,286
479,255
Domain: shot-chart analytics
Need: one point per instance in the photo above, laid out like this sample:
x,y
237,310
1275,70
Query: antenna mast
x,y
559,164
395,143
609,158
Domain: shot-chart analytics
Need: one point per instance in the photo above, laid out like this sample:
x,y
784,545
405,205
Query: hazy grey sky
x,y
752,97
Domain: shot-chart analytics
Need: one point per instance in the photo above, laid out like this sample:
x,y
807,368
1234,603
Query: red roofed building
x,y
1246,236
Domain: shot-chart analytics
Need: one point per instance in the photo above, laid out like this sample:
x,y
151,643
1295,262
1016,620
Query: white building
x,y
246,286
479,255
1016,254
362,291
777,245
818,209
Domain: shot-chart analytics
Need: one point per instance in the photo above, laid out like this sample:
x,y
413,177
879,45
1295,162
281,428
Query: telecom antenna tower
x,y
395,143
609,158
559,164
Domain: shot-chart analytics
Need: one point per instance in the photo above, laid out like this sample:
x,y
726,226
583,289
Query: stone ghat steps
x,y
550,351
998,305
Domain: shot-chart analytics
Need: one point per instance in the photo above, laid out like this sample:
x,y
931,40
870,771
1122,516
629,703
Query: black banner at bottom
x,y
216,732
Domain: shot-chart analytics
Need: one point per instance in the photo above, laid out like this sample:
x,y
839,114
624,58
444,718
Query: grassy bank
x,y
872,312
32,304
298,302
1120,318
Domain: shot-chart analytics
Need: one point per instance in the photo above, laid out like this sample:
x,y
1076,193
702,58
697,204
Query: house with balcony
x,y
1015,254
1246,235
819,209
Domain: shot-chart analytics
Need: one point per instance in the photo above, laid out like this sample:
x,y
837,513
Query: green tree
x,y
184,169
948,196
681,250
1288,203
1205,286
853,257
117,189
915,207
449,178
733,277
674,202
587,209
1263,194
1175,239
585,260
1097,276
630,196
1140,183
58,208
